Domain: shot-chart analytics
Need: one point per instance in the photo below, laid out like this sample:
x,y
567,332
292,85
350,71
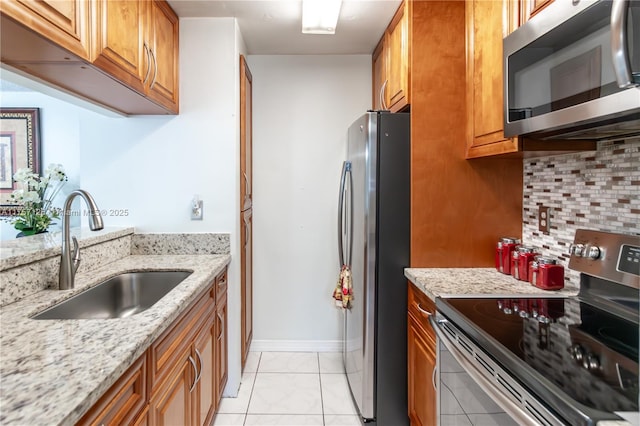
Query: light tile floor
x,y
290,389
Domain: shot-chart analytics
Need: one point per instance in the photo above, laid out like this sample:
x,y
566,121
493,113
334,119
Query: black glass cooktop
x,y
585,355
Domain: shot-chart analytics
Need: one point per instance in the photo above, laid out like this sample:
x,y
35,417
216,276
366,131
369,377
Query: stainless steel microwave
x,y
573,72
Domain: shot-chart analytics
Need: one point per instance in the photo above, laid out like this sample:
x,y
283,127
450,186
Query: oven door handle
x,y
514,410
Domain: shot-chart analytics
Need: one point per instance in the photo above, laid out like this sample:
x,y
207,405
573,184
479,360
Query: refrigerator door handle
x,y
346,166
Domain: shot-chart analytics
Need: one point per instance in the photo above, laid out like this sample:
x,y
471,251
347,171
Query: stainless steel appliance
x,y
573,72
547,361
374,232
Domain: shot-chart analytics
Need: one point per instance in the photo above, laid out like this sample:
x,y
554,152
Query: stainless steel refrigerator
x,y
373,234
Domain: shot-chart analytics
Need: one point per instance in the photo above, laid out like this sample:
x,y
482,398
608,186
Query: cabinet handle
x,y
427,313
247,189
433,378
201,365
246,234
195,371
221,320
155,69
383,104
146,76
222,283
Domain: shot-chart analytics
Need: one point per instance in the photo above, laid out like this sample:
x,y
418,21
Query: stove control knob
x,y
523,314
593,252
576,250
577,353
591,362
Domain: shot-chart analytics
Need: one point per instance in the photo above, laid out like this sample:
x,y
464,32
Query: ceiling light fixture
x,y
320,16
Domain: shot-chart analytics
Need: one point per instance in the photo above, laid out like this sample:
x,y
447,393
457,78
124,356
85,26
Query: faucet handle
x,y
76,254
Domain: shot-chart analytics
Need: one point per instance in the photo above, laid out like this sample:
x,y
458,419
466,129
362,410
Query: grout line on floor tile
x,y
321,397
253,386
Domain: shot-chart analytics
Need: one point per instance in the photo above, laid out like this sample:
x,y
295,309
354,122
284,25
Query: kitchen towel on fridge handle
x,y
343,294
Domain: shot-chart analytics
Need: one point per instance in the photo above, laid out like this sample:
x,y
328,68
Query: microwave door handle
x,y
620,45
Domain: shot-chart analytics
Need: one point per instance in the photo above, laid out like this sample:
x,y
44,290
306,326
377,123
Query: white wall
x,y
59,139
152,165
302,107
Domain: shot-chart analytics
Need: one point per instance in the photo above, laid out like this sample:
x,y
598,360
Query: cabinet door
x,y
119,46
246,189
221,347
246,135
529,8
399,61
163,45
485,122
172,403
246,289
205,391
124,400
380,72
421,369
64,22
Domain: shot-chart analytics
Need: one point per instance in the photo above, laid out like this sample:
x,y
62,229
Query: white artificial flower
x,y
22,175
31,197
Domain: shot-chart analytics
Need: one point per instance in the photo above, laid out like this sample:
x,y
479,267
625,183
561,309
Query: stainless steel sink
x,y
118,297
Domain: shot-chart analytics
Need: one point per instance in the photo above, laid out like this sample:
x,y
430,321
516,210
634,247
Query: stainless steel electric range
x,y
547,361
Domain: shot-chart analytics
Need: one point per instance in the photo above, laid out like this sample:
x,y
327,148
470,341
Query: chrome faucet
x,y
69,266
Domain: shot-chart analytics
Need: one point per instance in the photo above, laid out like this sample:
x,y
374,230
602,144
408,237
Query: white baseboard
x,y
296,346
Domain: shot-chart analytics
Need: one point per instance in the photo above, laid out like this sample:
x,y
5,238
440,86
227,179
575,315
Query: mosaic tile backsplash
x,y
597,190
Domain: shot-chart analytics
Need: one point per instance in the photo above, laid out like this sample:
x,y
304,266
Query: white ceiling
x,y
273,27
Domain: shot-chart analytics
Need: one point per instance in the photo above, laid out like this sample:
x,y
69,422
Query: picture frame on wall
x,y
19,148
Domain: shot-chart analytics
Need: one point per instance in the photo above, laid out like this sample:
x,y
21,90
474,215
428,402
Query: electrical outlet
x,y
196,209
544,218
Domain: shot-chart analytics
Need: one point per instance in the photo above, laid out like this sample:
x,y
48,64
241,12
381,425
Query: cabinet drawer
x,y
165,352
124,401
421,307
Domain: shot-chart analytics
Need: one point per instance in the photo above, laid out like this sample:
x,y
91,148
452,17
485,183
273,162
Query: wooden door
x,y
64,22
399,61
119,46
485,31
421,366
172,403
246,190
221,347
380,74
204,353
163,44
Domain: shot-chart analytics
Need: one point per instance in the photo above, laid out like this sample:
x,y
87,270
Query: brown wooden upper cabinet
x,y
529,8
137,43
65,22
119,54
391,63
487,23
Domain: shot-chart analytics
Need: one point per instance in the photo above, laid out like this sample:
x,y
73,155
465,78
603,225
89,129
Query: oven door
x,y
474,390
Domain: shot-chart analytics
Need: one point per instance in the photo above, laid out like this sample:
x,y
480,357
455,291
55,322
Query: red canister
x,y
504,253
526,255
546,273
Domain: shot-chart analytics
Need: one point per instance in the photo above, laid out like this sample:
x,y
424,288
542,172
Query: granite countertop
x,y
475,282
53,371
21,251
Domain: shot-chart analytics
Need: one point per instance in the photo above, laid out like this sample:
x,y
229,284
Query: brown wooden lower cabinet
x,y
172,401
180,378
421,353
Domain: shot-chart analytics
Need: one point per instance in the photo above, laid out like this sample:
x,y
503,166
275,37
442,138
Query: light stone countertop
x,y
53,371
475,282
